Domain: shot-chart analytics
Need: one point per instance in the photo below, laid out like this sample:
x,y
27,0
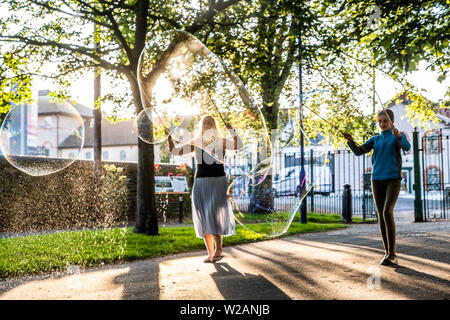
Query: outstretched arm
x,y
180,150
358,150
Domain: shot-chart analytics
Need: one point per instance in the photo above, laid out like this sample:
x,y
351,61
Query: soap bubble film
x,y
42,137
266,198
181,81
52,209
189,94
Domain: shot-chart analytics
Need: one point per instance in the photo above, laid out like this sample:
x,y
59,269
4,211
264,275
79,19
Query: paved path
x,y
340,264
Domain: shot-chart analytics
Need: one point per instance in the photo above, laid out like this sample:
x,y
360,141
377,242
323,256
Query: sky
x,y
422,79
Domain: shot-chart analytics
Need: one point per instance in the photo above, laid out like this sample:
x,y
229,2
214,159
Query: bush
x,y
68,199
63,200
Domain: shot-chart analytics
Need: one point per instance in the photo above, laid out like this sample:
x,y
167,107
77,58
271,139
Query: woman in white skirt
x,y
211,213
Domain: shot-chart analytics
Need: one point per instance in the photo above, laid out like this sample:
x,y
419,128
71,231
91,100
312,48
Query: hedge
x,y
68,199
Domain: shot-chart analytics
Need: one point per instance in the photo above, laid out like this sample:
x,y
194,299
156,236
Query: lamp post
x,y
97,143
418,209
302,186
373,91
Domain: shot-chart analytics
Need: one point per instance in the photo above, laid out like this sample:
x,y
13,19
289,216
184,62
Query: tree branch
x,y
45,76
115,28
288,64
69,47
85,16
121,4
174,23
208,16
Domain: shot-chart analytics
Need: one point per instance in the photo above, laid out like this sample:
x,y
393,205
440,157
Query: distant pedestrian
x,y
386,176
211,213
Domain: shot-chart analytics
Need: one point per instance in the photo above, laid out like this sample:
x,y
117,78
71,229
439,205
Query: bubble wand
x,y
332,125
327,121
212,102
217,109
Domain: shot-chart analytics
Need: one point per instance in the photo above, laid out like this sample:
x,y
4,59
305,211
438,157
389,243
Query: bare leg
x,y
209,243
218,240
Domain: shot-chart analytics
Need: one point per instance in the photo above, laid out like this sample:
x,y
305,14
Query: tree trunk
x,y
97,134
146,213
262,198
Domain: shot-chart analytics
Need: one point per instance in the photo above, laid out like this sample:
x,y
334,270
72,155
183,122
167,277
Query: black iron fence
x,y
436,175
328,173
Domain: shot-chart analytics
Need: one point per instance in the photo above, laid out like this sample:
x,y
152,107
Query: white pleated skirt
x,y
211,211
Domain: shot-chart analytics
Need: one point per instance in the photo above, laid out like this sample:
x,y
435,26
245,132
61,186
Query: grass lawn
x,y
36,254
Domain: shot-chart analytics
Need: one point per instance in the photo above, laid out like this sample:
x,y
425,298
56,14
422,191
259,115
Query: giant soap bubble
x,y
42,138
267,203
182,83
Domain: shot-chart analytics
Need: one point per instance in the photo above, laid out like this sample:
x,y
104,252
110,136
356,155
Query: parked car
x,y
286,182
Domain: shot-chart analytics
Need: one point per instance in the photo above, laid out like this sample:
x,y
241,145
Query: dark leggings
x,y
385,195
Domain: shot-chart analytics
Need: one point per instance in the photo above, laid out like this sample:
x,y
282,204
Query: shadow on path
x,y
422,276
141,282
234,285
310,266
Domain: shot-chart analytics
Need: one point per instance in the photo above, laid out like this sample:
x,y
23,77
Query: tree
x,y
61,32
14,86
339,53
398,34
259,41
405,33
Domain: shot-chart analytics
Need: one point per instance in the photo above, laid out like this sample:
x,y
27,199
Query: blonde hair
x,y
205,118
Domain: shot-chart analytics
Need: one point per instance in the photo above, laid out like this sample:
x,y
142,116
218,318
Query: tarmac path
x,y
341,264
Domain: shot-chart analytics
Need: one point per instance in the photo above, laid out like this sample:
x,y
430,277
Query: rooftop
x,y
113,134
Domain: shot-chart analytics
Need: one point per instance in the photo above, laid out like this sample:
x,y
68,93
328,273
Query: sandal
x,y
218,258
208,260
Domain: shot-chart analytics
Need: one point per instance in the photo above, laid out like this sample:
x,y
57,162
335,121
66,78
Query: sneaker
x,y
383,262
390,260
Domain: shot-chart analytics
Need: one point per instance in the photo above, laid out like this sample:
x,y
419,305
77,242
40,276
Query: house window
x,y
72,155
47,122
123,155
43,151
433,178
88,155
105,155
433,143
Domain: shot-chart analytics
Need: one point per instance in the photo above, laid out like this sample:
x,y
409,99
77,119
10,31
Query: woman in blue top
x,y
386,176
